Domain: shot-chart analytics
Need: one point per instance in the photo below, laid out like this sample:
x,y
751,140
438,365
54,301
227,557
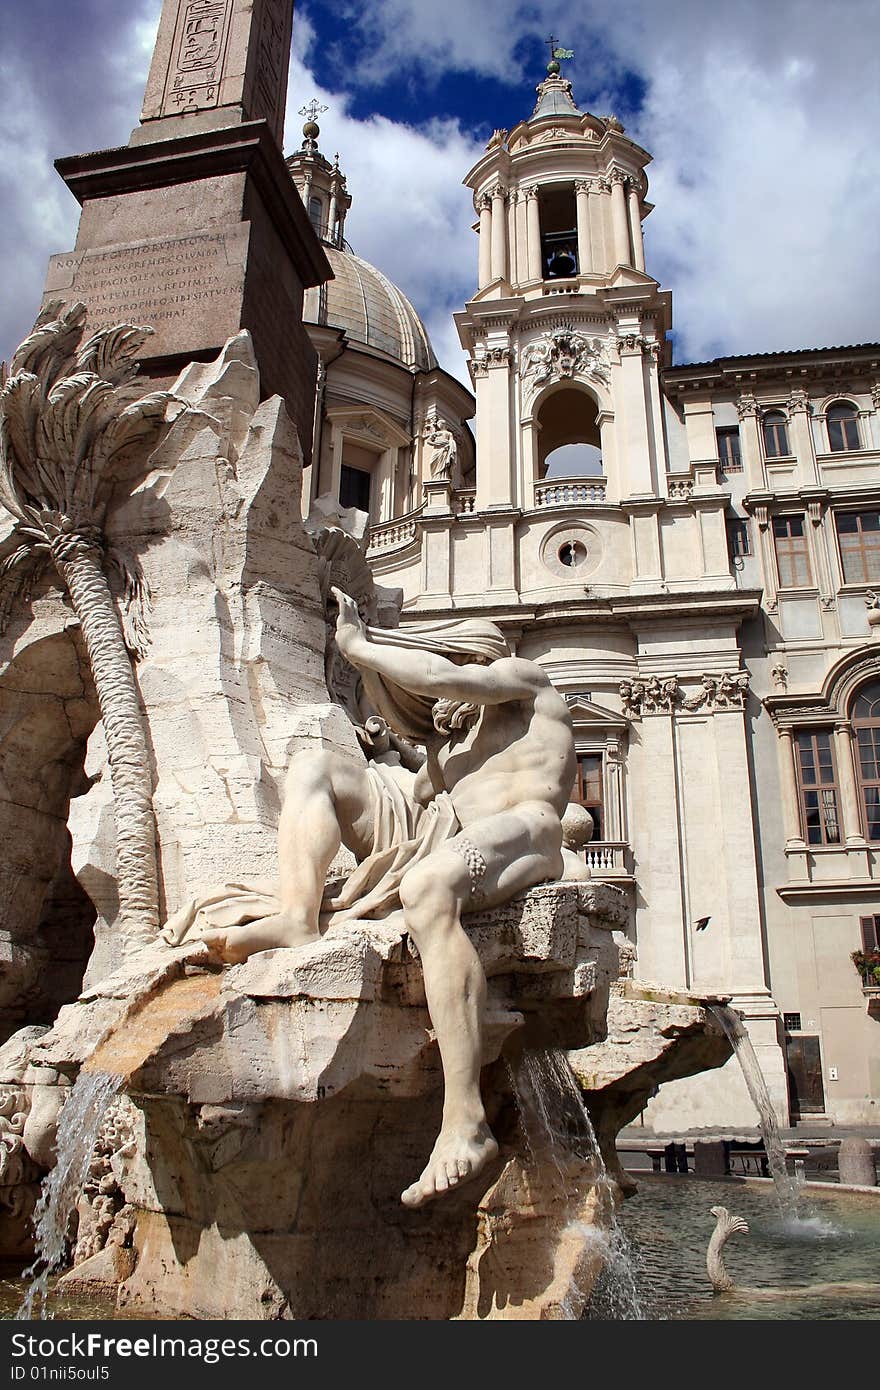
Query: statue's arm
x,y
424,673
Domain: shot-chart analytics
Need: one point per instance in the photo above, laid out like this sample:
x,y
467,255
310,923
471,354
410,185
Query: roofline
x,y
725,366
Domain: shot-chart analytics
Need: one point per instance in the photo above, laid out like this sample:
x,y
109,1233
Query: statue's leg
x,y
491,860
327,802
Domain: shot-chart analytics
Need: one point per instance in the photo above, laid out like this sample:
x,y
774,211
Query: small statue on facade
x,y
441,439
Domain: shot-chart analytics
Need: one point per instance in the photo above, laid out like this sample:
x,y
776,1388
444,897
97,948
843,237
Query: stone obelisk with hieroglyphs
x,y
195,226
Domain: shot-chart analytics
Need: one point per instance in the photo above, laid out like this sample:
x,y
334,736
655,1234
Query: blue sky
x,y
761,118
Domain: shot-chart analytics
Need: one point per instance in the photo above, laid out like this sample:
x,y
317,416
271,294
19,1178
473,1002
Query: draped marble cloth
x,y
404,832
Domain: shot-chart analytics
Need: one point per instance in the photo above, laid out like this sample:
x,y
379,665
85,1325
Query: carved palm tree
x,y
67,437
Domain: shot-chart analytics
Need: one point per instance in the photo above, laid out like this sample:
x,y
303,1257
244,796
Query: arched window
x,y
775,429
843,427
866,726
316,214
569,442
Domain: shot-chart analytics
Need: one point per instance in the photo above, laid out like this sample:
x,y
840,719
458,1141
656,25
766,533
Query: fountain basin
x,y
278,1109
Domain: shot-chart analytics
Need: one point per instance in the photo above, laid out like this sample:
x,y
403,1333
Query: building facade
x,y
688,551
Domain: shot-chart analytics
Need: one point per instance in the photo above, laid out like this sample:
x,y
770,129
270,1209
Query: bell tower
x,y
566,332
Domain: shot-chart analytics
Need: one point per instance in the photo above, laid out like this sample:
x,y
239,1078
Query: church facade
x,y
688,550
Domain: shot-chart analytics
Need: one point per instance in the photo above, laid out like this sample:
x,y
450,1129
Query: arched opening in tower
x,y
559,241
569,441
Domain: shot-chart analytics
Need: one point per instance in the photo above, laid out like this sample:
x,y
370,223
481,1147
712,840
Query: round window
x,y
572,554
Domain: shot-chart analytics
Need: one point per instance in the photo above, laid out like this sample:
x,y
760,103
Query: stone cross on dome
x,y
557,54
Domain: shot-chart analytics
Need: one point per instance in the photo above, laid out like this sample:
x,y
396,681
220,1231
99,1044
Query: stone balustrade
x,y
569,492
394,535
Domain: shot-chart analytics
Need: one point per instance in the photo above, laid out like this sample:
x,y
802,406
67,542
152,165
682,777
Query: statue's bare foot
x,y
458,1156
235,944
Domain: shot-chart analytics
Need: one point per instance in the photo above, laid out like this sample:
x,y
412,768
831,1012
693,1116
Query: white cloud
x,y
410,215
71,79
761,118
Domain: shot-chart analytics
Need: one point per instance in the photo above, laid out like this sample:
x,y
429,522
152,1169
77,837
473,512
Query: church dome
x,y
371,309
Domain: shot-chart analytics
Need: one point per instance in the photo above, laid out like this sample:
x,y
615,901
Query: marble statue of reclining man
x,y
483,823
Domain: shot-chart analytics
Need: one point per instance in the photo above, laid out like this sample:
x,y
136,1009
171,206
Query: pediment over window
x,y
586,714
372,426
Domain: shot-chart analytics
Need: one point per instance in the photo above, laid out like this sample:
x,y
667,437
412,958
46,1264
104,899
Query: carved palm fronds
x,y
69,437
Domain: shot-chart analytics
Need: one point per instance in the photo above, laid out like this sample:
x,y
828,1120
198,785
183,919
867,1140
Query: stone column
x,y
801,441
499,234
635,227
536,269
331,218
638,477
585,247
791,812
768,558
850,809
748,411
495,451
484,275
819,553
619,219
218,62
513,250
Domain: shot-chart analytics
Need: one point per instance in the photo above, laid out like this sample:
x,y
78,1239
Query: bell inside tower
x,y
559,241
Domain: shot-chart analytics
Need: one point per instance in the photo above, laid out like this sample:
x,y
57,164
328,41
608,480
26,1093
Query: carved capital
x,y
583,186
498,357
531,191
630,342
655,696
798,400
747,406
498,191
483,203
618,176
727,691
875,396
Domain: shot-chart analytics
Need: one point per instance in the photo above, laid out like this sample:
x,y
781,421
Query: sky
x,y
760,115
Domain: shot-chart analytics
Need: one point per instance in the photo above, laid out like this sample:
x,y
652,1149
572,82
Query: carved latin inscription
x,y
181,286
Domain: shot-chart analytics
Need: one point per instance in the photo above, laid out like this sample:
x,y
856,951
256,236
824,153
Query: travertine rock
x,y
262,1091
654,1035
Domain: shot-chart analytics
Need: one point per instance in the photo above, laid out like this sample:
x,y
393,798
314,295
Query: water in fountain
x,y
556,1121
787,1189
78,1127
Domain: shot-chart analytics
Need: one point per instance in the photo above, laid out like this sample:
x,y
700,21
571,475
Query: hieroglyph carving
x,y
197,58
66,421
562,354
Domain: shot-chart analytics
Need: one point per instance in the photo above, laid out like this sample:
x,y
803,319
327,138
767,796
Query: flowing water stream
x,y
78,1126
556,1122
787,1187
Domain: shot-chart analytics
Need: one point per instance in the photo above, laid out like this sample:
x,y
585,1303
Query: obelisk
x,y
195,227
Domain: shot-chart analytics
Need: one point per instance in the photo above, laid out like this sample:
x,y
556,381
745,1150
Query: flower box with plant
x,y
867,963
